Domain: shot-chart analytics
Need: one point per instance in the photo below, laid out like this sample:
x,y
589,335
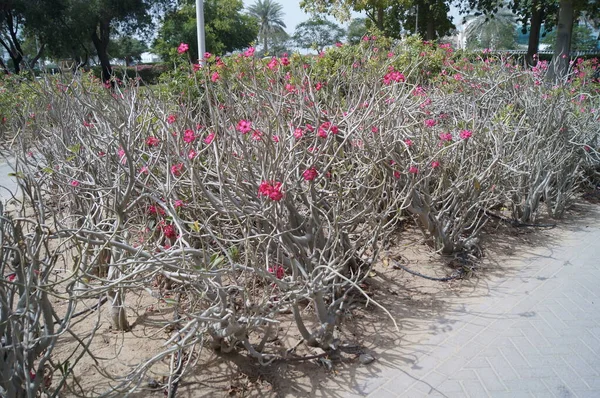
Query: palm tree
x,y
269,14
496,32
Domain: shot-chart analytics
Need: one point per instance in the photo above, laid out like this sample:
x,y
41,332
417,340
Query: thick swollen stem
x,y
118,315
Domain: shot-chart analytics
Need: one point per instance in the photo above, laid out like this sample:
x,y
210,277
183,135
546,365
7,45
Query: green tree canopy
x,y
317,33
269,15
127,48
21,20
226,28
429,18
583,39
357,30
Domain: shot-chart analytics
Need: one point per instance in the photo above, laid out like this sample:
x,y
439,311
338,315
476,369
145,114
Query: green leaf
x,y
170,301
216,259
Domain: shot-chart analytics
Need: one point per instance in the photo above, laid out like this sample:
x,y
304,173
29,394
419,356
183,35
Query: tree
x,y
390,16
562,46
530,13
128,49
357,30
226,28
269,15
279,43
317,33
82,21
432,16
496,33
582,39
22,19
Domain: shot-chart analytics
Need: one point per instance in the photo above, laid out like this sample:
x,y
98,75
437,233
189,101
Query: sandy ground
x,y
410,300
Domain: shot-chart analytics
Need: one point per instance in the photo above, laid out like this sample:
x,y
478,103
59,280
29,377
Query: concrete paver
x,y
536,333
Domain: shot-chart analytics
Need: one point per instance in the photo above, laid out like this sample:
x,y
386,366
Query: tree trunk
x,y
16,58
101,38
380,15
562,49
265,44
430,34
534,33
4,67
38,56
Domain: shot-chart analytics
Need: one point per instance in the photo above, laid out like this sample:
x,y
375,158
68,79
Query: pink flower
x,y
209,138
408,142
121,154
298,133
285,61
214,77
144,170
182,48
197,67
271,189
169,231
176,169
101,153
396,174
244,126
75,183
171,119
413,170
327,127
192,154
374,129
464,134
446,136
435,164
273,63
393,76
318,86
257,135
275,138
430,123
152,141
87,124
278,271
189,136
249,52
11,277
338,44
310,174
207,55
178,203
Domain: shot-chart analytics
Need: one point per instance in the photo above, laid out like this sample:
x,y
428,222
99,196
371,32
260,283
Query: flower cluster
x,y
176,169
464,134
183,47
277,270
310,174
152,141
270,189
393,76
189,136
169,231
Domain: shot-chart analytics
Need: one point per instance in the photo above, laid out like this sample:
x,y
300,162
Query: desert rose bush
x,y
253,189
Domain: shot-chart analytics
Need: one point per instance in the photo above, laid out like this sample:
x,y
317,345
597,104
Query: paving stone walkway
x,y
535,333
